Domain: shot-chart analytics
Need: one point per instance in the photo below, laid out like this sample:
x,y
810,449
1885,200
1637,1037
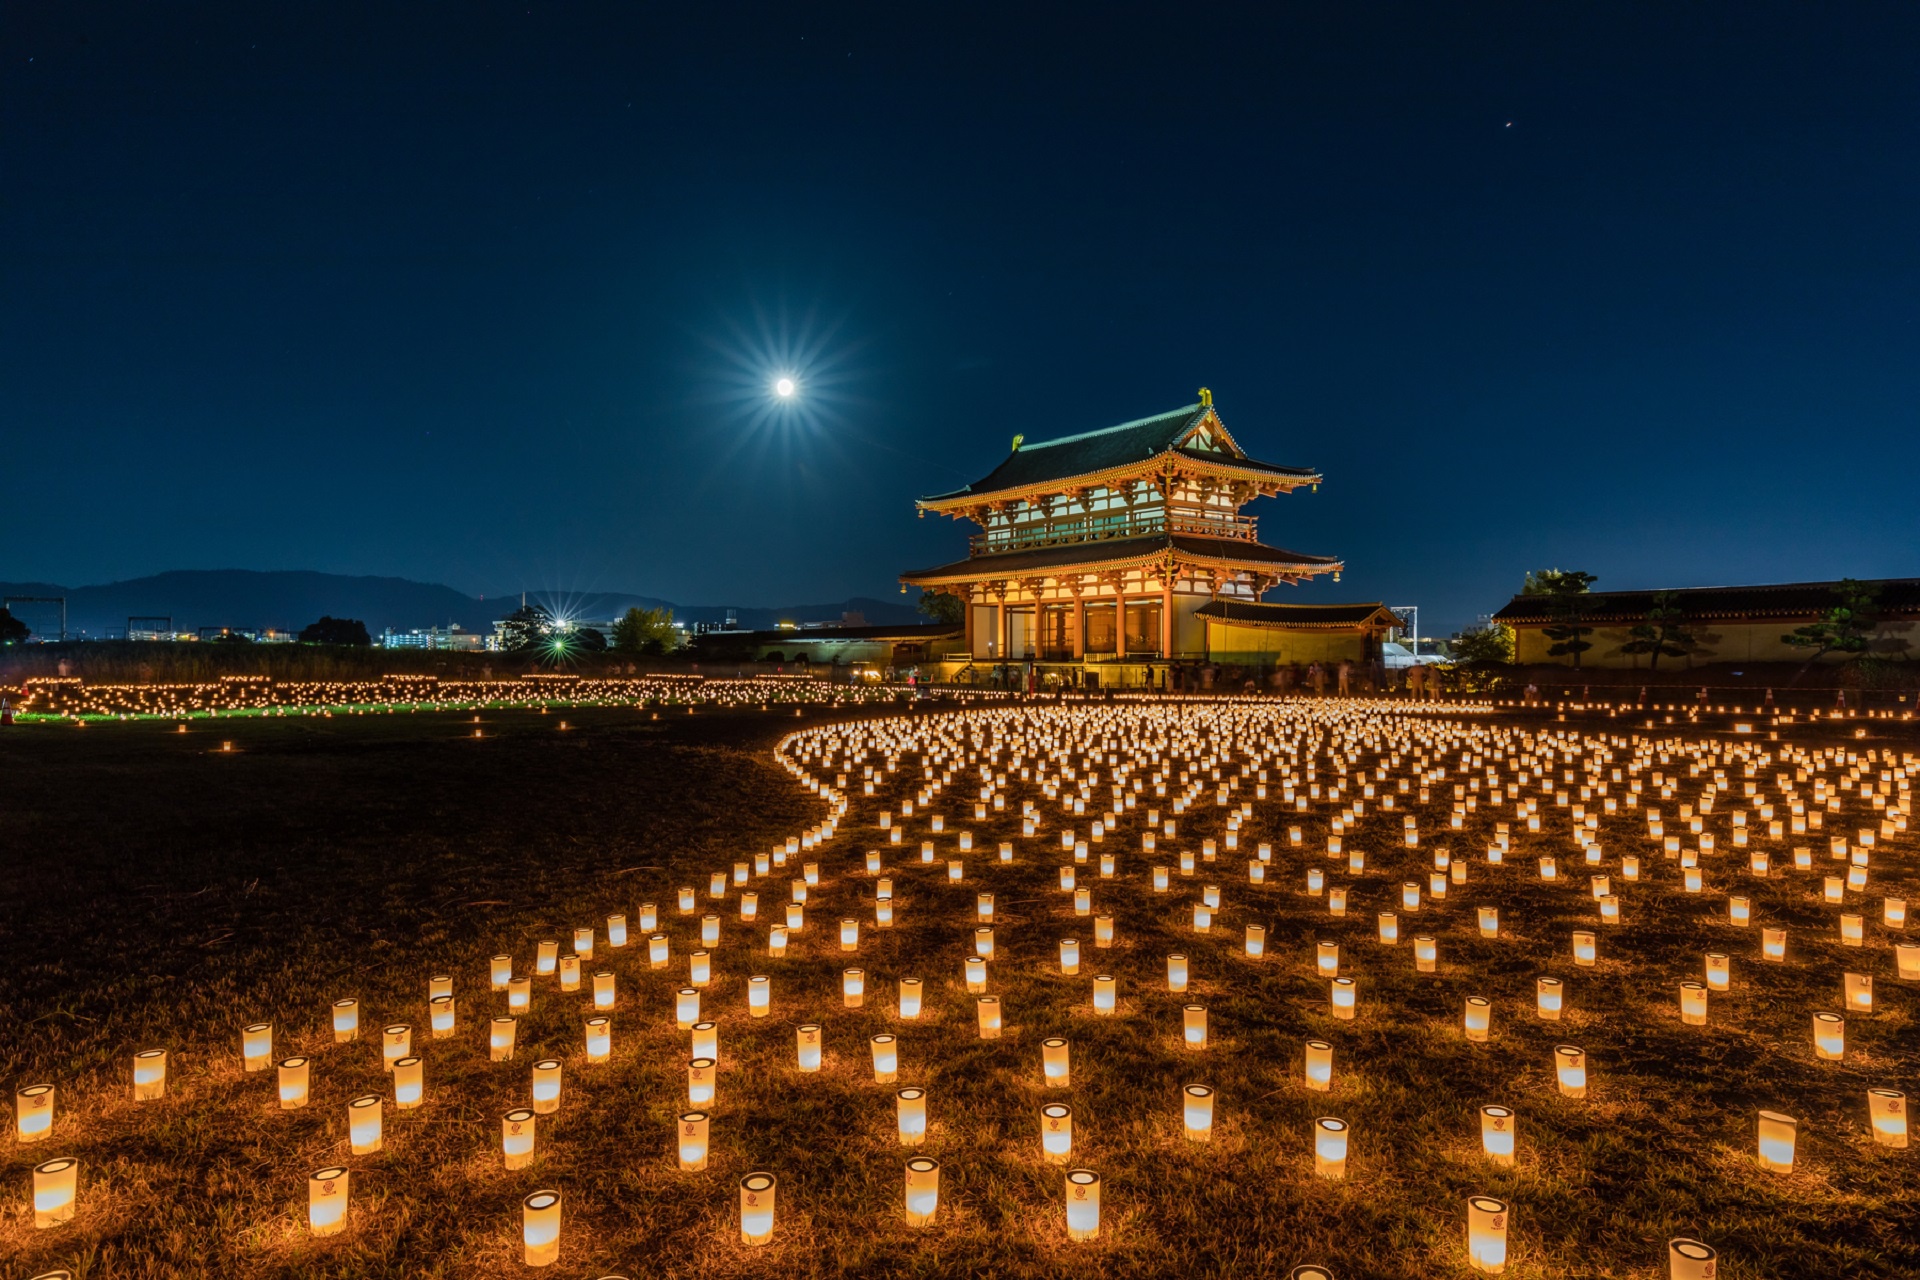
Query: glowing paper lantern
x,y
1907,955
807,1045
603,989
1103,931
570,973
293,1079
1104,997
346,1021
1054,1061
617,931
1056,1133
1776,1142
1069,956
409,1083
502,972
1887,1112
1326,958
849,935
1487,1234
777,941
540,1228
1256,943
886,1058
440,1018
56,1189
256,1046
923,1190
1083,1204
1570,1066
1609,910
692,1131
1194,1025
1691,1260
1389,928
910,989
1829,1036
1478,1019
988,1008
546,1086
1489,922
1773,944
686,1007
546,958
1319,1069
363,1125
1853,931
1330,1147
709,931
500,1038
1548,994
1497,1131
910,1110
327,1201
1198,1099
1693,1004
657,951
517,1137
519,995
1337,902
396,1042
33,1112
1344,999
1176,972
701,1081
853,988
1719,972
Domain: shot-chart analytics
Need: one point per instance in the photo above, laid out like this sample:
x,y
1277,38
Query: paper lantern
x,y
1548,993
517,1137
910,1110
1773,944
807,1043
657,951
1829,1037
1609,910
1487,1234
1630,867
500,1034
1256,941
409,1083
1176,972
1054,1061
1691,1260
692,1133
546,958
33,1112
396,1042
617,931
923,1190
1103,931
1160,879
686,1007
910,989
1907,956
956,870
849,935
717,885
1693,1004
749,907
1777,1135
1083,1204
1316,881
1330,1147
709,931
603,989
502,972
926,852
853,988
1478,1018
988,1008
1319,1069
1547,869
440,1021
702,1081
1836,888
777,941
649,917
1326,958
810,872
1104,996
346,1021
1497,1129
1389,928
583,943
1719,972
1457,873
1056,1133
1198,1099
256,1046
1570,1066
363,1125
1887,1112
546,1086
1344,999
797,917
327,1201
1337,902
519,995
686,901
56,1188
1069,956
1489,922
1852,930
1194,1025
886,1058
540,1228
293,1081
1437,885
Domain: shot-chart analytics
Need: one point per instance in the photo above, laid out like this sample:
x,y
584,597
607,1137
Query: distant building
x,y
448,637
881,647
1722,624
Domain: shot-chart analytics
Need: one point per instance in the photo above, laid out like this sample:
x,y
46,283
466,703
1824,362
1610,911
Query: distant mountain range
x,y
288,600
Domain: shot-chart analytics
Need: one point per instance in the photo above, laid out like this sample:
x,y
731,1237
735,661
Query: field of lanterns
x,y
1291,988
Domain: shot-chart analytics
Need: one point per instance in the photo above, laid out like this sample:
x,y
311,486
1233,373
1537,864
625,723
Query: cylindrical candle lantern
x,y
409,1083
500,1038
1330,1147
853,988
1887,1111
396,1042
540,1228
440,1018
989,1015
1584,950
1104,996
1859,992
1691,1260
759,996
1176,972
807,1044
709,931
1319,1070
293,1080
1083,1204
603,989
363,1124
701,1081
692,1131
1326,958
1056,1132
1344,999
685,899
56,1187
1497,1133
910,989
616,931
1103,931
519,994
1069,956
1777,1134
1198,1112
1719,971
657,949
1389,928
1489,922
346,1020
983,942
749,906
327,1201
686,1007
1194,1025
256,1046
1426,954
1570,1066
1853,930
33,1112
705,1037
923,1190
546,958
910,1108
502,972
1693,1003
1487,1234
1478,1018
599,1036
1548,993
570,973
1773,944
516,1137
1054,1061
546,1086
1410,895
1337,902
886,1060
1829,1036
849,935
699,968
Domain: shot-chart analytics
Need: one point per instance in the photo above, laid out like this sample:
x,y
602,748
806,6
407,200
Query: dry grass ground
x,y
154,892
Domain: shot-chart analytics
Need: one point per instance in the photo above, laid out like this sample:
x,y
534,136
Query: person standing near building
x,y
1346,678
1416,681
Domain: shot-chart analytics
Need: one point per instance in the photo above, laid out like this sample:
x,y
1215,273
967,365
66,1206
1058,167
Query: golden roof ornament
x,y
1206,398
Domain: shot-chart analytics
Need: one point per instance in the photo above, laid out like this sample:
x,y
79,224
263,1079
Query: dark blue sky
x,y
490,295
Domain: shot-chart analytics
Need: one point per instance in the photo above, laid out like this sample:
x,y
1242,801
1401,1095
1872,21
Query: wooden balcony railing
x,y
1103,526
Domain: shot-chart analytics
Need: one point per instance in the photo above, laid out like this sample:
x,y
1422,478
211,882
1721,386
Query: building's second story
x,y
1179,472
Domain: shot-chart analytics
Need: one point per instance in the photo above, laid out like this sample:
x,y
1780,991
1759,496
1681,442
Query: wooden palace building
x,y
1119,548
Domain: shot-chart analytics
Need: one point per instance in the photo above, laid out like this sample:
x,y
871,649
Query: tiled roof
x,y
1898,597
1039,462
1298,615
1119,551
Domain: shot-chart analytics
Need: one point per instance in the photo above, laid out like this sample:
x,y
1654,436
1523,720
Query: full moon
x,y
783,387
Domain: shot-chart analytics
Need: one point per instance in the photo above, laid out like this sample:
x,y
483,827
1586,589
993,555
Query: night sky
x,y
493,296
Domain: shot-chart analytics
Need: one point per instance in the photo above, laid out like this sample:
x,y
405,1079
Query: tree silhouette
x,y
1664,631
331,630
1561,591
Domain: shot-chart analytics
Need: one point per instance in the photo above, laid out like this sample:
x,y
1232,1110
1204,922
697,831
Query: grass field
x,y
156,891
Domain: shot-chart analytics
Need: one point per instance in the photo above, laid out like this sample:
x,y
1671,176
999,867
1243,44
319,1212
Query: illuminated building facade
x,y
1104,546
